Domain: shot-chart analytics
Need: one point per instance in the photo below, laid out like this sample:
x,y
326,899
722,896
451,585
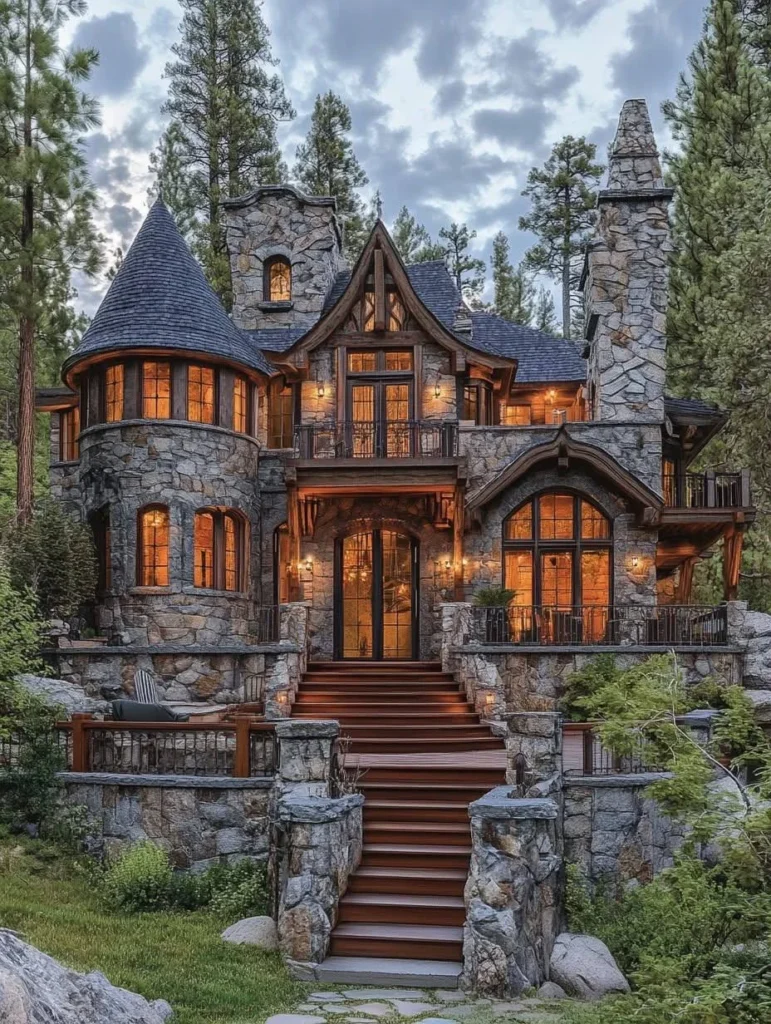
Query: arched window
x,y
218,549
557,552
277,282
153,547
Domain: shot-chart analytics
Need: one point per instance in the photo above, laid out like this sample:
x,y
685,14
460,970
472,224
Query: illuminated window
x,y
69,431
557,557
399,360
368,312
478,403
362,362
156,391
281,417
153,553
379,361
277,286
218,555
516,415
241,405
397,316
201,390
113,393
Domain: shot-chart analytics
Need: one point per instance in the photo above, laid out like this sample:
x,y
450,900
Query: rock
x,y
295,1018
253,931
584,966
374,1009
762,701
550,990
35,988
406,1008
69,696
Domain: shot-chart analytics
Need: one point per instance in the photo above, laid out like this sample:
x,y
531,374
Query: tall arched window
x,y
153,547
277,282
219,549
557,552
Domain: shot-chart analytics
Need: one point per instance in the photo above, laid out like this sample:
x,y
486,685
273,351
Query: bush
x,y
142,879
494,597
53,554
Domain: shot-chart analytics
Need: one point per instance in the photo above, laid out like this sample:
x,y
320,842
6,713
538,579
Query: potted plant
x,y
496,600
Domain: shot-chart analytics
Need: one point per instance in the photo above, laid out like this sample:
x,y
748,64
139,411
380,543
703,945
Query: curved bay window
x,y
218,549
277,283
153,547
557,551
201,394
69,432
156,390
113,393
241,405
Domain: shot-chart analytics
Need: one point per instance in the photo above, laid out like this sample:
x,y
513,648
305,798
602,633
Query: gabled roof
x,y
160,299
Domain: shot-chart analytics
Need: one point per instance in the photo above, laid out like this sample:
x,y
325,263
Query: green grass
x,y
174,956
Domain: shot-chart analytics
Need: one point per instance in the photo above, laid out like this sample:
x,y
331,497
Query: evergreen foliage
x,y
563,202
545,316
514,292
413,240
467,271
46,200
326,165
225,103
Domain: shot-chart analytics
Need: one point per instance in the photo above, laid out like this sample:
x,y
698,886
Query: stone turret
x,y
627,276
280,221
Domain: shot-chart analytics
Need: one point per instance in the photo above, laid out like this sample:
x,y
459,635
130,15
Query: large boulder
x,y
253,931
584,966
69,696
36,988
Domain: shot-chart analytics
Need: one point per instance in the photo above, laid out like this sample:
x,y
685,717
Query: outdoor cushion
x,y
135,711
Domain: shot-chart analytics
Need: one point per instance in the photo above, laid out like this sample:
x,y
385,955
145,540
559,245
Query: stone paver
x,y
327,997
384,993
405,1008
375,1009
295,1018
450,996
438,1020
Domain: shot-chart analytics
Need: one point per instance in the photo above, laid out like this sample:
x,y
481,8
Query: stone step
x,y
363,970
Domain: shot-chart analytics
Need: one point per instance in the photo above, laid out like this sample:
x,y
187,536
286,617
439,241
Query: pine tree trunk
x,y
566,243
26,425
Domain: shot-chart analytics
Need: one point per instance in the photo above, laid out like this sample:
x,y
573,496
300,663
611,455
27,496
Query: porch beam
x,y
685,582
293,522
733,544
380,296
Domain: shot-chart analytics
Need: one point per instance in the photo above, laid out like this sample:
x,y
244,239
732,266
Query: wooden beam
x,y
685,582
380,296
733,543
293,522
459,512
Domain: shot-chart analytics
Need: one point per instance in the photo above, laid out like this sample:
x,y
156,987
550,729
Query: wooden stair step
x,y
425,722
401,908
422,744
436,794
375,666
408,810
428,942
398,774
419,833
416,855
425,881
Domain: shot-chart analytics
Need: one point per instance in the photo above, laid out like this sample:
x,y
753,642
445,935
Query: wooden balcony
x,y
707,491
408,439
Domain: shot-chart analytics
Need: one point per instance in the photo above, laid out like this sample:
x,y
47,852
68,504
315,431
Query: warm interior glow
x,y
200,394
240,405
154,548
156,391
280,281
203,536
113,393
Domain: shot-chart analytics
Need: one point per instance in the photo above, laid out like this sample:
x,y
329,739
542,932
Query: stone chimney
x,y
626,278
280,221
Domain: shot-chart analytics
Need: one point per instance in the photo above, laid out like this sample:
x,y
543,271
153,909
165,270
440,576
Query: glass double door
x,y
380,425
376,596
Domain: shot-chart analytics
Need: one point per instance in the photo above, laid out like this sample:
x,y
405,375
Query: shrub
x,y
53,554
141,878
239,891
494,597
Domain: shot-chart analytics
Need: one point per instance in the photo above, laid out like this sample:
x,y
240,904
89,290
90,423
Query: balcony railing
x,y
584,754
597,626
707,490
407,439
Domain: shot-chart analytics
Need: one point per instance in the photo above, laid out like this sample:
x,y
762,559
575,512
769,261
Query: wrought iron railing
x,y
583,753
599,625
707,490
407,439
267,624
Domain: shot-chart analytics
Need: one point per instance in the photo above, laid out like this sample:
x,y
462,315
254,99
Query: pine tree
x,y
563,198
170,180
327,166
413,240
513,289
545,318
46,202
225,105
468,272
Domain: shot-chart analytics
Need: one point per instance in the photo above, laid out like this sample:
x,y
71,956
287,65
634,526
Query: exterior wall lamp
x,y
321,390
437,390
309,565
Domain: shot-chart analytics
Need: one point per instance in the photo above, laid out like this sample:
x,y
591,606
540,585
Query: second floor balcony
x,y
709,490
394,439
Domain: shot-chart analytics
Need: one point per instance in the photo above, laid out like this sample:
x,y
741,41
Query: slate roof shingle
x,y
160,298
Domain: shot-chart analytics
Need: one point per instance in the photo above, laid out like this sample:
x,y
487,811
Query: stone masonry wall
x,y
280,221
613,832
199,821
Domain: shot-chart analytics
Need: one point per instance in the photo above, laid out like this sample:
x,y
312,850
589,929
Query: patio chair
x,y
142,711
146,692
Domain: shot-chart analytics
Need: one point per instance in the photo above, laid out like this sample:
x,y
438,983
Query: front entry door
x,y
376,596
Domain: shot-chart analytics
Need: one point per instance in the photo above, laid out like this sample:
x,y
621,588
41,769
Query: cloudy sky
x,y
452,100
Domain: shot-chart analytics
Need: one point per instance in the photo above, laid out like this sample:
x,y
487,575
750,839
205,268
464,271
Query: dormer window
x,y
277,284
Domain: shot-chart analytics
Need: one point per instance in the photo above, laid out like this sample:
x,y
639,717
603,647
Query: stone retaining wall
x,y
614,832
200,821
512,895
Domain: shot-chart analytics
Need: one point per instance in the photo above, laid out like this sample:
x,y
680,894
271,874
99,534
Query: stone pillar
x,y
627,278
456,628
512,894
305,756
534,752
321,848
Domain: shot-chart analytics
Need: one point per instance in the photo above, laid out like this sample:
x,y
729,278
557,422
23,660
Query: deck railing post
x,y
80,742
746,498
241,760
709,479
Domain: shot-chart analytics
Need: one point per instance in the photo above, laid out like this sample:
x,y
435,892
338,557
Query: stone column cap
x,y
317,809
499,803
303,728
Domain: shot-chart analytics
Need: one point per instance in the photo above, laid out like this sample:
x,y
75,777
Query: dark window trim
x,y
219,574
270,262
195,363
153,506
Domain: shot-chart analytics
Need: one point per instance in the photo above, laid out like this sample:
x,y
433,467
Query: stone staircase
x,y
422,755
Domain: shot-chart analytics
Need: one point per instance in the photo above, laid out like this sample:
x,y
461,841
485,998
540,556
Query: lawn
x,y
174,956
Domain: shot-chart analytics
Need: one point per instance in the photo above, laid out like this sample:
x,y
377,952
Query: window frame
x,y
140,548
69,437
143,398
219,547
106,386
202,367
269,263
276,392
485,414
576,545
240,378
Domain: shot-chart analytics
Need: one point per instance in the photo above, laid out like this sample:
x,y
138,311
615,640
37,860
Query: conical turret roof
x,y
161,299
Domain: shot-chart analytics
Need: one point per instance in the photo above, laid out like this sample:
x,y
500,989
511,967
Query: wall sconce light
x,y
437,390
464,562
448,564
635,562
309,565
489,699
321,390
551,395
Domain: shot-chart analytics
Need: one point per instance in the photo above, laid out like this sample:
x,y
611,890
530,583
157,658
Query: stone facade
x,y
199,821
278,220
512,895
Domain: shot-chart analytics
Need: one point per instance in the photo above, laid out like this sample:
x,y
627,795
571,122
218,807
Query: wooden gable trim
x,y
380,242
564,449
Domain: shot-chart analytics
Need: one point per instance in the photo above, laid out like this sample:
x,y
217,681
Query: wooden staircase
x,y
423,755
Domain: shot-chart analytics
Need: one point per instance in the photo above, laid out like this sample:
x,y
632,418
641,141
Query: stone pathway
x,y
417,1006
